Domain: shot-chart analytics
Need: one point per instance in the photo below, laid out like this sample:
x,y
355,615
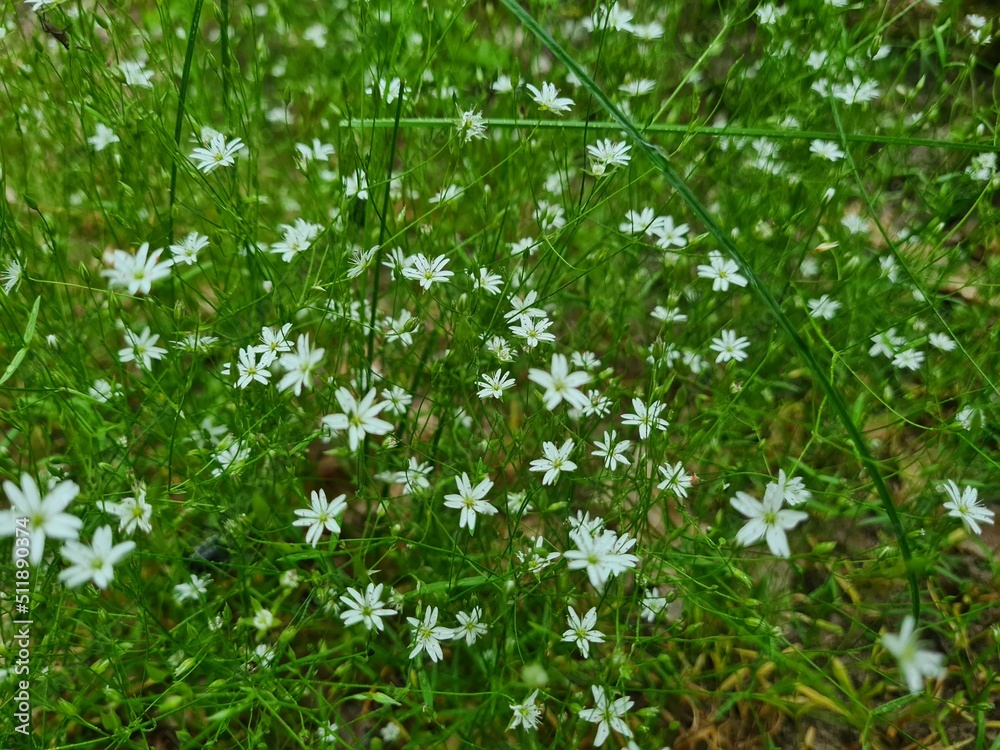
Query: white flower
x,y
367,607
548,99
730,347
767,520
647,417
793,489
470,626
826,150
942,341
965,506
103,137
445,194
502,85
389,90
11,275
582,630
187,251
722,271
94,562
470,501
328,734
607,714
536,558
914,662
427,635
141,347
298,365
967,416
359,418
356,185
137,272
135,74
637,88
219,153
45,516
273,343
910,359
133,512
319,151
612,450
555,461
886,343
526,714
230,457
614,18
488,282
675,479
533,331
321,514
493,386
560,384
195,590
652,604
983,167
637,222
667,234
601,553
249,370
427,271
471,126
265,620
607,153
824,307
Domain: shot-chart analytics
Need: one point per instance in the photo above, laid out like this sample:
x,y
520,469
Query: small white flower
x,y
366,607
722,271
647,417
471,126
322,514
470,626
914,662
548,99
559,383
470,501
493,386
219,153
766,520
730,347
94,562
910,359
526,714
554,461
824,307
612,450
965,507
675,479
103,137
942,341
607,714
582,631
427,635
826,150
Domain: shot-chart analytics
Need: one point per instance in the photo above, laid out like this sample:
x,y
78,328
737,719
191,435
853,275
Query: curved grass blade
x,y
658,158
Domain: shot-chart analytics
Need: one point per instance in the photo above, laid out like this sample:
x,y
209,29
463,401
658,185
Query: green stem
x,y
179,121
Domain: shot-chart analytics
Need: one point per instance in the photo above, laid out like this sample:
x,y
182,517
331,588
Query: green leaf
x,y
14,364
29,332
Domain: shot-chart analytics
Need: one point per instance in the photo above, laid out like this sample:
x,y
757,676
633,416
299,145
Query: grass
x,y
816,154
